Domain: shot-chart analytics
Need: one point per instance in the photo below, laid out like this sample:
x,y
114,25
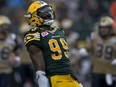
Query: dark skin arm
x,y
36,57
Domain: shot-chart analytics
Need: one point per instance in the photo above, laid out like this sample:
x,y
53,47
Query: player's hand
x,y
42,80
14,60
114,62
81,85
83,52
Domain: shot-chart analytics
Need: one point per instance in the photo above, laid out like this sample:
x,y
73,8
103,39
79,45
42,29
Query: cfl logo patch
x,y
44,34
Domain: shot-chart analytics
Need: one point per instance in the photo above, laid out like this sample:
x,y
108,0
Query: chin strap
x,y
48,22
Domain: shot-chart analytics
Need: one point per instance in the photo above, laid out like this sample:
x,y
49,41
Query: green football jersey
x,y
54,47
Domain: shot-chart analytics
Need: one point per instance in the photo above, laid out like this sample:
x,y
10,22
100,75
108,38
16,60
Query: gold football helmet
x,y
4,20
40,13
106,26
4,24
106,21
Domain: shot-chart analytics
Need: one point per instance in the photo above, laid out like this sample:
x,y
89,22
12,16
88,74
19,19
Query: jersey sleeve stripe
x,y
38,39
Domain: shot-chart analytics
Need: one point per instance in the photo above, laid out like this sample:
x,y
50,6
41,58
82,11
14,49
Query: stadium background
x,y
77,17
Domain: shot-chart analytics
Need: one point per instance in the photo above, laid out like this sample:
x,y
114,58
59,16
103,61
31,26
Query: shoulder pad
x,y
55,27
33,30
31,35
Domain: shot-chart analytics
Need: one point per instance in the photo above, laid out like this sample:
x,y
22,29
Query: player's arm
x,y
33,42
38,62
114,56
89,44
114,59
16,53
36,57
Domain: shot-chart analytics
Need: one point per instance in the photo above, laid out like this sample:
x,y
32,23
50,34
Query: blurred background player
x,y
26,69
9,54
48,47
102,48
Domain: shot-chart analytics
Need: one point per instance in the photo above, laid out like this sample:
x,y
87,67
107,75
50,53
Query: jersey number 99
x,y
54,46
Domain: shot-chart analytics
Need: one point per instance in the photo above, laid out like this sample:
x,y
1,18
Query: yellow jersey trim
x,y
38,39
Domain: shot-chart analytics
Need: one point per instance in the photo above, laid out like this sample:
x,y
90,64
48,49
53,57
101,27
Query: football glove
x,y
41,78
114,62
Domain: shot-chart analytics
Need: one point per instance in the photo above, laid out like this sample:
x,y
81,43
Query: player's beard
x,y
104,34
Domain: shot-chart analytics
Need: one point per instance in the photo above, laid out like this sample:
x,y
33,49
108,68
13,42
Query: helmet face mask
x,y
4,29
5,22
40,14
105,31
45,12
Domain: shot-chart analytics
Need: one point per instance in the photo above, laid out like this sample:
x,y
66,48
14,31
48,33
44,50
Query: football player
x,y
48,48
102,46
8,52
